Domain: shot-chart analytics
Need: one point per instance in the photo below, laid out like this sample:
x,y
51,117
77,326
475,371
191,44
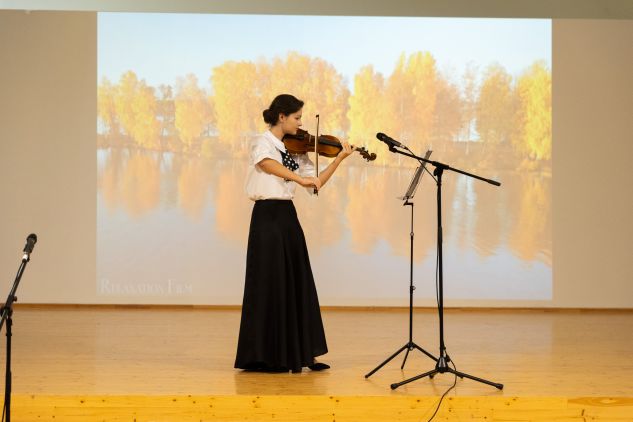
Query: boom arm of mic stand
x,y
443,166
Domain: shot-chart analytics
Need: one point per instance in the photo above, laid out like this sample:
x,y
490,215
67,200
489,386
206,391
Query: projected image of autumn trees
x,y
484,118
182,148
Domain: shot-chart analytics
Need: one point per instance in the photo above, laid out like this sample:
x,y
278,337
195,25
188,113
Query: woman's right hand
x,y
310,182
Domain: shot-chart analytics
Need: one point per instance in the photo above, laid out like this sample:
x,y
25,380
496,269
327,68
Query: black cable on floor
x,y
445,393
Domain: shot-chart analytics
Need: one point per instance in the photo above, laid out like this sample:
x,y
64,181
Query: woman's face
x,y
291,122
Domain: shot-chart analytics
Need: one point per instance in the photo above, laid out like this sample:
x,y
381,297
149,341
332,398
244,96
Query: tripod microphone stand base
x,y
409,347
442,367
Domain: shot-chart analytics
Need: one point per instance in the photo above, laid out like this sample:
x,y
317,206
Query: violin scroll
x,y
368,156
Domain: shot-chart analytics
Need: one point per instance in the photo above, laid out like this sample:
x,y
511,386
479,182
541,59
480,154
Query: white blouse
x,y
261,185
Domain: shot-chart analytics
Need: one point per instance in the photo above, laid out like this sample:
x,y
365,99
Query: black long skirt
x,y
281,326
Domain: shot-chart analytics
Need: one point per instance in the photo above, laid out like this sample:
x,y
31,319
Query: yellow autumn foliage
x,y
535,113
192,110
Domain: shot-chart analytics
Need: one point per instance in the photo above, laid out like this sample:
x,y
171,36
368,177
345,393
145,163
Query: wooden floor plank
x,y
317,408
107,364
140,351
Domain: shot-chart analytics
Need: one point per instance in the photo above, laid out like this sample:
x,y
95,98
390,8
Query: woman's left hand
x,y
346,151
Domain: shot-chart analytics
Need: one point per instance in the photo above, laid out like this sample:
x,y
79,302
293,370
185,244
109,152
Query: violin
x,y
329,146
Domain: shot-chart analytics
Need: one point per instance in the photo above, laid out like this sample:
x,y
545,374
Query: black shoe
x,y
319,366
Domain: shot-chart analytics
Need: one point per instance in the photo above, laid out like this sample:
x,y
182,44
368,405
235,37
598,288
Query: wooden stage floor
x,y
121,363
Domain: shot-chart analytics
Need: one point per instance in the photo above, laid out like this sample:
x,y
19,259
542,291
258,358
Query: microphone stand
x,y
441,365
7,313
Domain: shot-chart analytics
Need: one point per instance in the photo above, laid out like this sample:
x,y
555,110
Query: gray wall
x,y
592,87
47,153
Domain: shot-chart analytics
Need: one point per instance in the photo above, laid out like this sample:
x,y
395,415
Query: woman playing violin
x,y
281,328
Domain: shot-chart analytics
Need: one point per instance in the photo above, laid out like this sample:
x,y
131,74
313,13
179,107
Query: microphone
x,y
31,240
389,141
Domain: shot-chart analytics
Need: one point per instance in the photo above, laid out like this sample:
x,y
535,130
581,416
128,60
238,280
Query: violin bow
x,y
316,152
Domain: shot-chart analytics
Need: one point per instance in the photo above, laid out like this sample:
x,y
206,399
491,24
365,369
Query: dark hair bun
x,y
285,104
269,117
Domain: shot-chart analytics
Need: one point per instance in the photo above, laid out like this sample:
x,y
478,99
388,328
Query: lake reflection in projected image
x,y
173,228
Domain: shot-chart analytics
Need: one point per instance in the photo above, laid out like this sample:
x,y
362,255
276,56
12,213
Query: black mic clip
x,y
391,143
